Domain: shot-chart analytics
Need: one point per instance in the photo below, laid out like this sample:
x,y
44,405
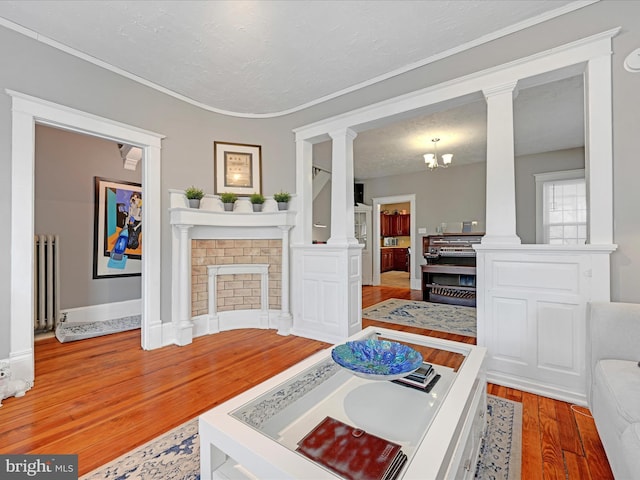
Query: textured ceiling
x,y
268,57
547,117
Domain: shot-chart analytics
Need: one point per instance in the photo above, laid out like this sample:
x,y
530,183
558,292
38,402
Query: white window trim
x,y
541,179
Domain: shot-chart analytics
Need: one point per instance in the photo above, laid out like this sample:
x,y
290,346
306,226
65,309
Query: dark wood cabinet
x,y
403,225
393,259
400,259
398,225
386,259
385,225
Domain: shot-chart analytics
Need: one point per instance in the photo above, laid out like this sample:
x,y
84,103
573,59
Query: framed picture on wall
x,y
118,232
237,168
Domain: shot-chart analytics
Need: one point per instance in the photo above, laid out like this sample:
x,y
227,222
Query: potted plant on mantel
x,y
194,195
228,199
283,200
257,200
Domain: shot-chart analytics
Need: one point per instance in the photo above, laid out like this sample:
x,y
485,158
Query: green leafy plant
x,y
194,193
228,197
282,197
256,198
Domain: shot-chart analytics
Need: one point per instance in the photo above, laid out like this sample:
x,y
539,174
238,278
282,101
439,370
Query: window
x,y
561,208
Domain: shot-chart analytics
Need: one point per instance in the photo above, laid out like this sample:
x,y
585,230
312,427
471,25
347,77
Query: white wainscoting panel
x,y
510,320
532,314
547,275
327,291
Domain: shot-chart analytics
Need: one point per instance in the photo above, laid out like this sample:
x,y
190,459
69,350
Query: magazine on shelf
x,y
341,448
423,374
423,379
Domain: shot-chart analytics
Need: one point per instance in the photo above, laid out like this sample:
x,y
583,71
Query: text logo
x,y
50,467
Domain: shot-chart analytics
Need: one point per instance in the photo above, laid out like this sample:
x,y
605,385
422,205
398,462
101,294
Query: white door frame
x,y
26,112
411,198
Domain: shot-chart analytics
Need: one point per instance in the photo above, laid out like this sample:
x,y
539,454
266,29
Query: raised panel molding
x,y
509,330
559,338
532,314
327,291
539,275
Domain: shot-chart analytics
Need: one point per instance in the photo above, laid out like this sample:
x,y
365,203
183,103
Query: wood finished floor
x,y
102,397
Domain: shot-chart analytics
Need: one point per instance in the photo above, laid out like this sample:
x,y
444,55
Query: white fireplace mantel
x,y
210,221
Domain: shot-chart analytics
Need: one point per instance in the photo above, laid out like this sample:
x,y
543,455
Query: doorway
x,y
26,112
395,256
398,209
88,287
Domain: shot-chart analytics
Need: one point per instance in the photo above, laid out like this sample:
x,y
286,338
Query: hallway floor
x,y
395,279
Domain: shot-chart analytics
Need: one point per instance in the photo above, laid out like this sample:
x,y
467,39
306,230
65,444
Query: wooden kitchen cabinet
x,y
398,225
386,259
400,261
385,225
403,225
393,259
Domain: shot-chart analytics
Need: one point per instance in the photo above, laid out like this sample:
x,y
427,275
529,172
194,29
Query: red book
x,y
352,453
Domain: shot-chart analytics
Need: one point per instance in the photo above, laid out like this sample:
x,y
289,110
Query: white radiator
x,y
46,282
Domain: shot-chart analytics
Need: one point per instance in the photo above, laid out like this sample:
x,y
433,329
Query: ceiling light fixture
x,y
431,159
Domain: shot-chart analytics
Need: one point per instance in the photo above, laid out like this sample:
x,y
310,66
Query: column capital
x,y
343,132
500,89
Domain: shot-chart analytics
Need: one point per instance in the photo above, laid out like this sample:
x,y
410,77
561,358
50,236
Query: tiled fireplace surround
x,y
237,256
241,291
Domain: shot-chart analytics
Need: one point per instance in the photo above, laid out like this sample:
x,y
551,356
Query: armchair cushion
x,y
617,394
631,447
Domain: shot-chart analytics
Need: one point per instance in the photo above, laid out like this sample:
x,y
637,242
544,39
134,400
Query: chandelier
x,y
431,159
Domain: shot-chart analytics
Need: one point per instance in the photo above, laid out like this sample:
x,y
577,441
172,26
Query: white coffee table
x,y
254,435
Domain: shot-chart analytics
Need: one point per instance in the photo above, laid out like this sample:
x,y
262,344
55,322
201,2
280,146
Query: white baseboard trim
x,y
416,284
235,319
21,372
103,312
315,335
527,385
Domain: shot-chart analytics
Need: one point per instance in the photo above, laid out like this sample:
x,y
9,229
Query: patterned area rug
x,y
434,316
501,451
72,331
176,454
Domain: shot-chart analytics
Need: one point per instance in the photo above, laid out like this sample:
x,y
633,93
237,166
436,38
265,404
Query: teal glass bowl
x,y
375,359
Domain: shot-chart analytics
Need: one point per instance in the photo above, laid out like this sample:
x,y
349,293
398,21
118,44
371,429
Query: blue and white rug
x,y
71,331
433,316
176,454
501,451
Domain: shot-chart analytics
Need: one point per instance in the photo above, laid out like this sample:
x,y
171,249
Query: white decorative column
x,y
183,325
342,202
598,151
286,320
501,189
327,292
21,353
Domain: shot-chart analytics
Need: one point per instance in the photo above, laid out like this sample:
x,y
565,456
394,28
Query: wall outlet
x,y
422,230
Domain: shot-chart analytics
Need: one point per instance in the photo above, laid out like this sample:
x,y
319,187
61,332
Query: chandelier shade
x,y
431,159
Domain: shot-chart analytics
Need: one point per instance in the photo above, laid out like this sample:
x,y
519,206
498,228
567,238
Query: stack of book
x,y
351,452
424,378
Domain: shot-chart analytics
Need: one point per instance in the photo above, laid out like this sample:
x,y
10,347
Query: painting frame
x,y
117,203
237,168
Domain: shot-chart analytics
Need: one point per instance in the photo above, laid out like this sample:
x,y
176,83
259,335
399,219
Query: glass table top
x,y
292,409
